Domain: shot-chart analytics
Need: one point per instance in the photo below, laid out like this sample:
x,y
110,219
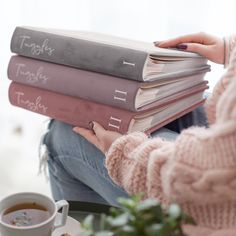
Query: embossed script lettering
x,y
36,49
31,77
35,106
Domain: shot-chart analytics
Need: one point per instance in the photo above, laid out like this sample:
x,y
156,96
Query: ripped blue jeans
x,y
76,167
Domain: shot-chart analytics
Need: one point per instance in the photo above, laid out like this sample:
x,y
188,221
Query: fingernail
x,y
91,124
75,129
156,43
182,46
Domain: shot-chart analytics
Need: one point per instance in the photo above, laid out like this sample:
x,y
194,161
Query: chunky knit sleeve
x,y
203,231
128,160
137,163
180,171
230,44
197,170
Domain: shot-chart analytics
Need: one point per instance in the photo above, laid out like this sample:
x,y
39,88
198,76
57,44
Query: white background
x,y
146,20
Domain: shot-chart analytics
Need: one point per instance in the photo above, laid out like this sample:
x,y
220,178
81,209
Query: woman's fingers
x,y
204,44
197,48
98,130
194,47
200,38
88,134
100,137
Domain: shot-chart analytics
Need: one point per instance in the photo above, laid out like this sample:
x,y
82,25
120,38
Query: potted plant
x,y
139,218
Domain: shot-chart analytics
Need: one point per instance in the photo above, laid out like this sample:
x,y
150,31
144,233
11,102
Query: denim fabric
x,y
76,167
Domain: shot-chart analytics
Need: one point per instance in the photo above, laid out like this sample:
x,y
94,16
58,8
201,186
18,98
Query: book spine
x,y
108,59
87,85
68,109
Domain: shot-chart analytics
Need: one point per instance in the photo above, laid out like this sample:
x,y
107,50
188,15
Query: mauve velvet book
x,y
79,112
126,58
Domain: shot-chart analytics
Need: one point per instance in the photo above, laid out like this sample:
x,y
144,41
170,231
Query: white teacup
x,y
44,228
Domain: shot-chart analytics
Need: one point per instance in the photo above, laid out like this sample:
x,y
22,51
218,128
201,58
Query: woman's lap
x,y
76,167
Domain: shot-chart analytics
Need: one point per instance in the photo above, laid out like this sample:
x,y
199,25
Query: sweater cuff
x,y
118,153
229,44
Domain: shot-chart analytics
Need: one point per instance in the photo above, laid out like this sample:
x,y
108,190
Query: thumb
x,y
98,129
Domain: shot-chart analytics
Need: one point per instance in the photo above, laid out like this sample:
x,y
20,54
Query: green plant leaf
x,y
119,220
88,222
128,229
86,233
139,218
174,211
104,233
115,211
157,230
172,223
103,222
147,205
128,204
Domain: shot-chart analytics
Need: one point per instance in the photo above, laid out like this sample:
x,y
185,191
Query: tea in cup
x,y
27,214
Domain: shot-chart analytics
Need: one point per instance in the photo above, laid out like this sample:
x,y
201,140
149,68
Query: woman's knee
x,y
60,138
61,141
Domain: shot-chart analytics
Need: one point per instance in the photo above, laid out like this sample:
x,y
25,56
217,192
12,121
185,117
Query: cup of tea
x,y
31,214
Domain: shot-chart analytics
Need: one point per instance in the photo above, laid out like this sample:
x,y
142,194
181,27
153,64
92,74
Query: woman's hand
x,y
100,137
206,45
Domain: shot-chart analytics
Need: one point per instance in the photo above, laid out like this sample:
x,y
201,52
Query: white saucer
x,y
72,227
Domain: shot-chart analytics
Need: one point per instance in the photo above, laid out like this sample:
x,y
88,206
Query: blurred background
x,y
146,20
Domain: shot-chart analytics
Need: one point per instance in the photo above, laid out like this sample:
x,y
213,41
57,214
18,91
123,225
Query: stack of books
x,y
124,85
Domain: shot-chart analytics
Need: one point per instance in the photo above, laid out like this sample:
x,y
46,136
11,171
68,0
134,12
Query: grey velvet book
x,y
97,87
125,58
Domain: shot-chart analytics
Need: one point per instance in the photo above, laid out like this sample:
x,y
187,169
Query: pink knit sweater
x,y
198,170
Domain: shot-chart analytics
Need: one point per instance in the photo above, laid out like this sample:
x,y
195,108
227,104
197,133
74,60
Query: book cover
x,y
97,87
104,54
80,112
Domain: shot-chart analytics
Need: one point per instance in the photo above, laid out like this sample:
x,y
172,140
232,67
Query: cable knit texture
x,y
198,170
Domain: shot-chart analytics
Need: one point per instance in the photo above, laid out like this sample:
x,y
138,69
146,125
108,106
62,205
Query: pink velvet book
x,y
79,112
